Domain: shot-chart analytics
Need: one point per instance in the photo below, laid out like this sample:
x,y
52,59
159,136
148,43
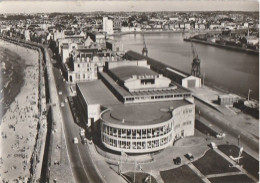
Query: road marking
x,y
67,150
195,170
234,163
92,159
83,164
223,174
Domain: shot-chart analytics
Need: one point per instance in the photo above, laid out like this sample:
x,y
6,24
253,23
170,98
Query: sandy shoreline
x,y
19,124
12,77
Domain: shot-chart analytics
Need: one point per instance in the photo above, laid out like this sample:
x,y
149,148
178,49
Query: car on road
x,y
62,104
77,119
66,100
213,145
84,140
189,156
177,161
82,132
220,135
60,92
75,140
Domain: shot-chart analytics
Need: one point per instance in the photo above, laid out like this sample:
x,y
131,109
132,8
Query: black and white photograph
x,y
128,91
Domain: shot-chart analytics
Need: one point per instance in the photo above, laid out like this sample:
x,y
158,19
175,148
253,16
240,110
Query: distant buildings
x,y
108,26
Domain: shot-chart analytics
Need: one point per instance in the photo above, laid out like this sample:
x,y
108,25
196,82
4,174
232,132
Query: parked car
x,y
190,156
62,104
66,100
75,140
60,92
177,161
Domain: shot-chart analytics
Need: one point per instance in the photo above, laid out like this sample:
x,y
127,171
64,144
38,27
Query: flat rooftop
x,y
123,92
142,113
126,72
95,92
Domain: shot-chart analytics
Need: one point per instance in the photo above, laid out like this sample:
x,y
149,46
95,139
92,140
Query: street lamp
x,y
249,91
134,171
238,140
204,78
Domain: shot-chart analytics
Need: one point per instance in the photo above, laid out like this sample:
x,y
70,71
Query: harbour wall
x,y
234,48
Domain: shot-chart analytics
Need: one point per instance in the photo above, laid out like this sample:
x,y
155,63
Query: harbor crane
x,y
195,65
145,50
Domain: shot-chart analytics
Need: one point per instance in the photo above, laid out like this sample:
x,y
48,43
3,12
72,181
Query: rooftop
x,y
143,113
95,92
123,92
126,72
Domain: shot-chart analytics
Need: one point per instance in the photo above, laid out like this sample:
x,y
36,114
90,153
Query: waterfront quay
x,y
205,100
224,46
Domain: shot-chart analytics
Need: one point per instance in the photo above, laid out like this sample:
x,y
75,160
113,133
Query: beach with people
x,y
20,116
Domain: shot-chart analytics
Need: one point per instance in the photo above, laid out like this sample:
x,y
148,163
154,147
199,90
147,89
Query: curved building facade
x,y
133,134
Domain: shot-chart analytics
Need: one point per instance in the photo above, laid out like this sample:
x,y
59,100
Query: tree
x,y
124,24
143,18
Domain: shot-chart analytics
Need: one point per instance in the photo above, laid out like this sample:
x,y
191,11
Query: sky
x,y
20,6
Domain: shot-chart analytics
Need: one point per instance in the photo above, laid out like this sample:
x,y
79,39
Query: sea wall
x,y
234,48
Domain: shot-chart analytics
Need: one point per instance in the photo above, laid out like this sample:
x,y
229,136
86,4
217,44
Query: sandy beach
x,y
19,124
11,80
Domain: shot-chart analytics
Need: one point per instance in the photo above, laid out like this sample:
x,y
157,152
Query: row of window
x,y
136,145
187,111
85,76
183,124
156,97
186,123
137,133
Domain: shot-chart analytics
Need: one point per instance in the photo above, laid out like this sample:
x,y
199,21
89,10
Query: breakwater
x,y
229,47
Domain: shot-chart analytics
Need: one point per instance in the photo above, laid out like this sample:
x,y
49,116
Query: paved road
x,y
217,120
82,166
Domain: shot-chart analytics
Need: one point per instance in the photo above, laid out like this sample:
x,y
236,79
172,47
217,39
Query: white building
x,y
108,26
187,26
191,81
131,29
246,25
27,35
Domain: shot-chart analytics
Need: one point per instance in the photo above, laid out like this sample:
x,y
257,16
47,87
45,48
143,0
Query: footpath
x,y
108,174
59,163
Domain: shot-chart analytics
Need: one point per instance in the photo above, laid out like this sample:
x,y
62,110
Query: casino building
x,y
137,110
